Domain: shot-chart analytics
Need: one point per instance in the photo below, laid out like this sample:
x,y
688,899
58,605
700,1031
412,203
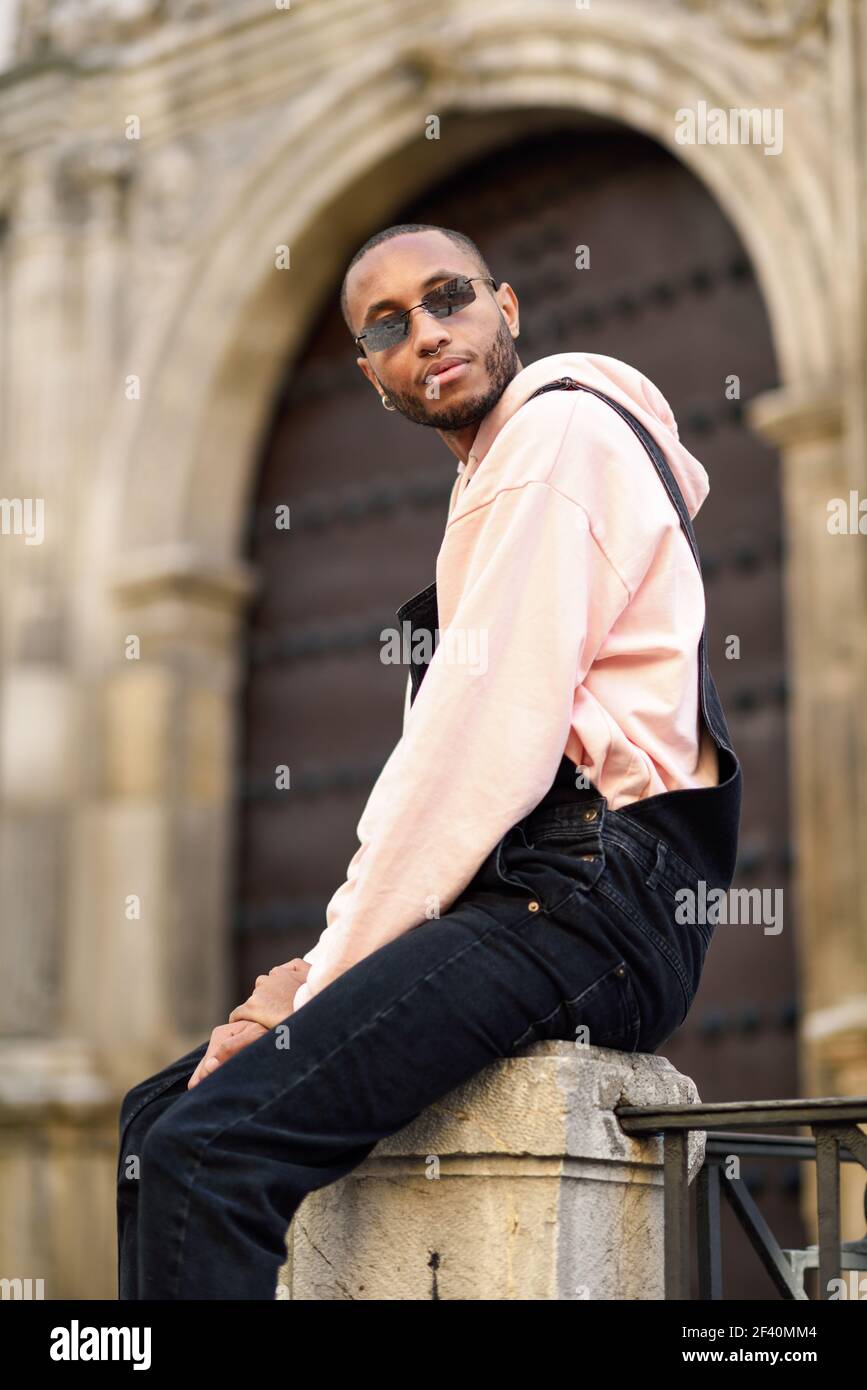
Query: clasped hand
x,y
270,1003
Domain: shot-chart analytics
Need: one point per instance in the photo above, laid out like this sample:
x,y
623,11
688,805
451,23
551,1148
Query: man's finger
x,y
251,1012
224,1044
258,1008
200,1071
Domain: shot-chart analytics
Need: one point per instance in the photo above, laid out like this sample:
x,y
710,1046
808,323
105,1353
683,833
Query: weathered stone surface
x,y
519,1184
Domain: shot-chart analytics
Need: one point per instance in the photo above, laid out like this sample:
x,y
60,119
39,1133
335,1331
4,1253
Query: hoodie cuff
x,y
301,997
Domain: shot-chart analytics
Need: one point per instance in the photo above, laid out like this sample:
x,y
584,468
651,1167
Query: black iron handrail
x,y
837,1139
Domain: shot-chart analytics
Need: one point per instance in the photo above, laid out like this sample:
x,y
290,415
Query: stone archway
x,y
164,551
238,320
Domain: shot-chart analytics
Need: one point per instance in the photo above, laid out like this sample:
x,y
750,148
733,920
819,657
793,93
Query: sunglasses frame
x,y
423,304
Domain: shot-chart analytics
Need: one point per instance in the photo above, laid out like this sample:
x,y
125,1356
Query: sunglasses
x,y
439,303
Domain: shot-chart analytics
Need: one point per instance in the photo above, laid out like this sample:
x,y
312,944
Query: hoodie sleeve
x,y
484,737
316,954
363,830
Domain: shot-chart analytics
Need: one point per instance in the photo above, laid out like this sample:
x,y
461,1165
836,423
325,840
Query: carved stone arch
x,y
321,182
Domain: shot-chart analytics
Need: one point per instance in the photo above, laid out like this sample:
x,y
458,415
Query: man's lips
x,y
447,370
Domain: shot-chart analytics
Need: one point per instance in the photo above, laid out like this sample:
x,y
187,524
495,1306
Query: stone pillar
x,y
61,278
519,1184
828,743
146,962
824,607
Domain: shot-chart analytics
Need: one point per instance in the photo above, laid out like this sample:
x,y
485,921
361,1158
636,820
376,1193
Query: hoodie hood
x,y
624,384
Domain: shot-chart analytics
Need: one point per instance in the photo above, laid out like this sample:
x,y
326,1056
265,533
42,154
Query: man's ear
x,y
509,306
365,367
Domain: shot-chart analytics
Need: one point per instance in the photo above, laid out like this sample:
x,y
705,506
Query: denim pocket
x,y
550,868
605,1014
660,865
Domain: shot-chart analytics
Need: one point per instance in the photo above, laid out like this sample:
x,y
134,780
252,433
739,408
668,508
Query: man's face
x,y
396,275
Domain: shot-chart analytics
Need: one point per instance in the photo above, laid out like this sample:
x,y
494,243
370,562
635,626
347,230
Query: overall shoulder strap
x,y
568,383
708,694
700,823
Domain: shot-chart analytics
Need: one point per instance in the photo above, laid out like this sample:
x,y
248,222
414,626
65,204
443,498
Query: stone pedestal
x,y
519,1184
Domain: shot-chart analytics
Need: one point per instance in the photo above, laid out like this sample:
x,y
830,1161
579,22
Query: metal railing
x,y
833,1121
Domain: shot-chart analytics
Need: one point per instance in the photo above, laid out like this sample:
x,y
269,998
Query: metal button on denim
x,y
533,906
590,815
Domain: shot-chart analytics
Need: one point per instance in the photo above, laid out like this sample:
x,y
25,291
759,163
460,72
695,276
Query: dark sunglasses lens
x,y
447,298
385,334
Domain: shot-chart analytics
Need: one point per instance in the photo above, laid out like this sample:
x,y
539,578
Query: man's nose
x,y
428,333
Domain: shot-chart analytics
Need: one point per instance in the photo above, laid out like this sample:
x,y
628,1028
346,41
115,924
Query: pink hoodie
x,y
570,611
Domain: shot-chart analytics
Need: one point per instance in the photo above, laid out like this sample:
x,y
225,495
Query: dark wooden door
x,y
669,289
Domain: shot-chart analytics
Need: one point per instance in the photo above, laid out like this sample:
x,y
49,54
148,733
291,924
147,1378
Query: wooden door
x,y
670,290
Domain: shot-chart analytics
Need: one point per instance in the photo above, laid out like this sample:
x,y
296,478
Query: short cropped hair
x,y
465,243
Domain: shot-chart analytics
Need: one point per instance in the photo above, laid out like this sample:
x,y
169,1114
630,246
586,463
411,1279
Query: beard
x,y
501,364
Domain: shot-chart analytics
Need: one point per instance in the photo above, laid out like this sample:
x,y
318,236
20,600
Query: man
x,y
521,851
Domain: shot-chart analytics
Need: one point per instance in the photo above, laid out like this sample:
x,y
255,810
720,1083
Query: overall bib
x,y
700,824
